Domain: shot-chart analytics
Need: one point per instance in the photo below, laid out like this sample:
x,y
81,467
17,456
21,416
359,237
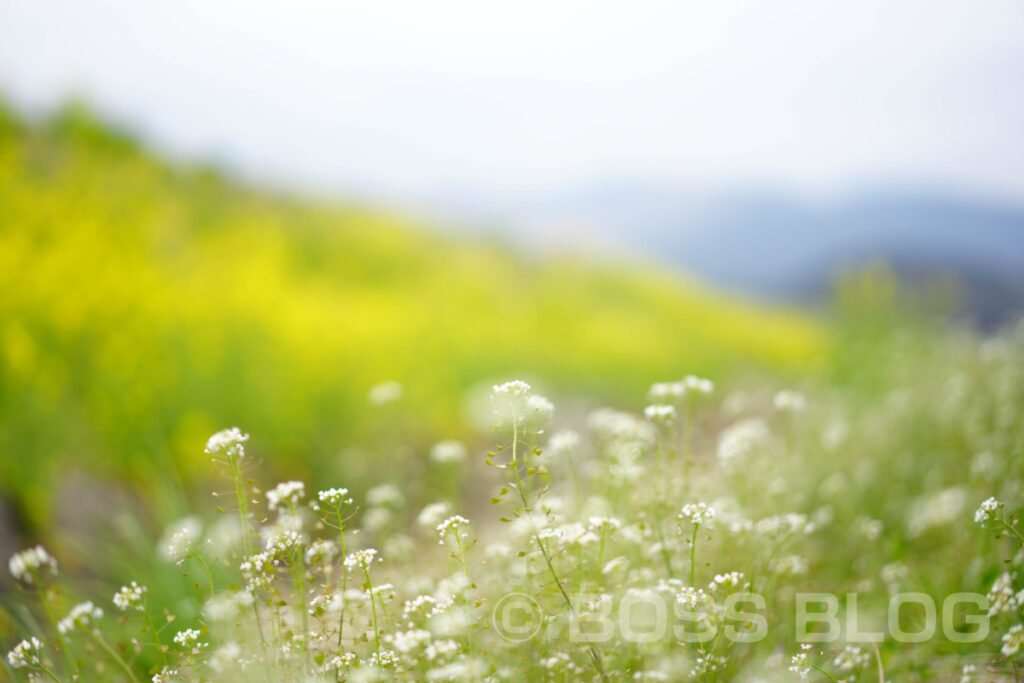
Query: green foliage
x,y
144,305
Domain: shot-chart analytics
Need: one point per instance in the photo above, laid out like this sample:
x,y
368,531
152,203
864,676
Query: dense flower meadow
x,y
679,543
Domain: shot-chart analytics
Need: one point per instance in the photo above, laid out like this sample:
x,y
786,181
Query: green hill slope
x,y
144,305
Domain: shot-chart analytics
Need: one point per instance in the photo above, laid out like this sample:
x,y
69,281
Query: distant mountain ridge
x,y
774,248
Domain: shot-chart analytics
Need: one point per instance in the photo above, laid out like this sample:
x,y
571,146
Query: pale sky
x,y
404,98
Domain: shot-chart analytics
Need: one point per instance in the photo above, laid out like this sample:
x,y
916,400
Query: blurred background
x,y
332,223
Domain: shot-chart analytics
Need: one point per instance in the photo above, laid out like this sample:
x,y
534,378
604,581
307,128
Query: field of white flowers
x,y
723,533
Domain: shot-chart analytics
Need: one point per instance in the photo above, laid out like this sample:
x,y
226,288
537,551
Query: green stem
x,y
156,637
209,574
462,554
48,672
665,555
373,605
243,504
298,561
344,578
113,654
1012,530
693,557
61,641
822,671
544,551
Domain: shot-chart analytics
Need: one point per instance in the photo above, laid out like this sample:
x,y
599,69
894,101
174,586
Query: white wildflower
x,y
431,515
385,659
385,495
697,513
80,616
180,538
165,675
452,526
385,392
666,393
1001,597
851,658
361,559
189,639
740,441
987,511
788,401
288,492
448,451
698,385
871,529
660,414
225,657
321,551
1013,640
334,498
130,597
29,563
227,442
800,664
25,653
728,581
691,597
563,443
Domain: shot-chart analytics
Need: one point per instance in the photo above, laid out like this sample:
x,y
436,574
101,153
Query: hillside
x,y
145,304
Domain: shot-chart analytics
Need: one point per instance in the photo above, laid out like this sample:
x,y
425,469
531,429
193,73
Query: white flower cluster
x,y
258,571
189,639
788,401
448,451
226,657
851,658
740,441
30,562
660,414
800,664
1002,598
361,559
691,597
730,581
427,605
1013,640
407,641
25,653
165,675
321,551
516,401
385,495
697,513
180,538
227,442
226,605
130,597
385,392
604,524
786,523
432,514
563,443
80,616
987,511
334,498
669,393
452,525
385,659
287,492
